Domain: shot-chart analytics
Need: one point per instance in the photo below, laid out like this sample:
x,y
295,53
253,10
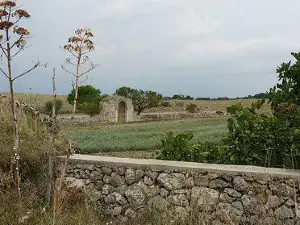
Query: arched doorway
x,y
122,112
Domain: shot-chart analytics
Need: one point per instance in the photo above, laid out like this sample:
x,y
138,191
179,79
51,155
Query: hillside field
x,y
39,100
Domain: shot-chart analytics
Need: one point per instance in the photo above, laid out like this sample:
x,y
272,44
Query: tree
x,y
259,139
89,99
79,46
141,99
13,40
49,107
191,108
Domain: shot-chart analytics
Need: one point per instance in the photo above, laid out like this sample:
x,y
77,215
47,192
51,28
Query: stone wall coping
x,y
178,166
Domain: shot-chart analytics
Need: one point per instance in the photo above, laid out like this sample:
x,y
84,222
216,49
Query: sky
x,y
192,47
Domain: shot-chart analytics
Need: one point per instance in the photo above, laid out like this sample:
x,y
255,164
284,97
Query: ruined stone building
x,y
117,109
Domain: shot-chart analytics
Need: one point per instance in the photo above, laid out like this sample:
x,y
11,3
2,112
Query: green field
x,y
144,136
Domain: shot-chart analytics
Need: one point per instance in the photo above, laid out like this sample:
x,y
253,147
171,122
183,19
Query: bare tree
x,y
79,46
52,137
13,40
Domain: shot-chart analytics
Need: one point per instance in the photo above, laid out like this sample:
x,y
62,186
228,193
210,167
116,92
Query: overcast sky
x,y
196,47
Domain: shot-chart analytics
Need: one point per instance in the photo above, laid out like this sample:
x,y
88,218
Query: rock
x,y
164,192
95,175
282,190
218,184
216,222
116,180
232,193
179,200
181,214
274,201
227,177
238,205
110,199
121,189
74,183
120,171
106,170
149,191
189,182
148,181
249,202
119,198
226,198
139,174
94,195
269,221
135,196
204,197
253,220
98,185
117,211
172,181
158,203
123,219
201,181
240,184
130,176
284,213
107,179
290,203
151,174
130,213
107,189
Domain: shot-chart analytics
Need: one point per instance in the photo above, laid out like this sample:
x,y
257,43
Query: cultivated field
x,y
144,136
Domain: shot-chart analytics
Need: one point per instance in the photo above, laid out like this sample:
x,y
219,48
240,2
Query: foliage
x,y
166,104
180,148
49,105
141,99
35,144
91,108
182,97
191,108
88,100
269,140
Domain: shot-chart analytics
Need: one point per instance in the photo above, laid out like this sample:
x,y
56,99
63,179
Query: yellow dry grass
x,y
39,100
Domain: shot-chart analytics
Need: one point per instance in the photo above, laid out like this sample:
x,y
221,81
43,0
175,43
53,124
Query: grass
x,y
39,100
144,136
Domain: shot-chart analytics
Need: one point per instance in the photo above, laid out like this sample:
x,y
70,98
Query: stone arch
x,y
122,111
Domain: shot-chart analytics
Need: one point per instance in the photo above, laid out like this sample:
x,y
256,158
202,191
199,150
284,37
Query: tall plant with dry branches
x,y
78,47
13,40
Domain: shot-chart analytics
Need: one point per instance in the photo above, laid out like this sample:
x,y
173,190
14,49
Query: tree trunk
x,y
16,148
76,84
52,151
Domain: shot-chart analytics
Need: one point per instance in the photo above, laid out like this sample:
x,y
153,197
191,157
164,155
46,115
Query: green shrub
x,y
166,104
180,148
49,105
191,108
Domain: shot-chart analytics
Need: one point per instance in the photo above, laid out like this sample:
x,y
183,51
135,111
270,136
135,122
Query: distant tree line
x,y
188,97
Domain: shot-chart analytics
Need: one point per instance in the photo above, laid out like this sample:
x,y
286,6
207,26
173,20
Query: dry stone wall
x,y
221,194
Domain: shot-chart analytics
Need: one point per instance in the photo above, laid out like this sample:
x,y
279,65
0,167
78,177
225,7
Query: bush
x,y
90,108
49,105
180,148
262,140
166,104
191,108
